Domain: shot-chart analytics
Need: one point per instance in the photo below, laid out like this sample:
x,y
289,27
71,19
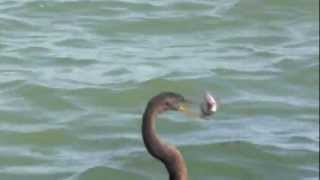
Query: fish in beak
x,y
208,106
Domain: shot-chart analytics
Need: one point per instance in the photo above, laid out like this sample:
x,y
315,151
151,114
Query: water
x,y
75,77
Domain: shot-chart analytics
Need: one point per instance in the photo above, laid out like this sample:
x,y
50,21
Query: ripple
x,y
42,138
26,128
103,172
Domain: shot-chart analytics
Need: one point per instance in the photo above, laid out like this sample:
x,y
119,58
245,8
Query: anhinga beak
x,y
183,107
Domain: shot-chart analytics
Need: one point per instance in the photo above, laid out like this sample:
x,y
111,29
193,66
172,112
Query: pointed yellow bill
x,y
183,107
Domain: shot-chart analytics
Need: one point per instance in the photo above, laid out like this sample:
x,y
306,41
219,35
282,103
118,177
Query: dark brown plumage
x,y
169,155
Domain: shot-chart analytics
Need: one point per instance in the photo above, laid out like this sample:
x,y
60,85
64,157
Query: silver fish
x,y
209,105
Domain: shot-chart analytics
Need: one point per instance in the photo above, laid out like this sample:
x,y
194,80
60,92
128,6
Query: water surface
x,y
75,77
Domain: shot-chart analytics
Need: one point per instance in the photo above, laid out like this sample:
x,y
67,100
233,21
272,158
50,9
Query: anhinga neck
x,y
169,155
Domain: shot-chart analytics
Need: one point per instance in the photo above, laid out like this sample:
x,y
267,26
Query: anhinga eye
x,y
167,103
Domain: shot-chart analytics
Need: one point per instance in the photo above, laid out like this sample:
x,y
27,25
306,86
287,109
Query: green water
x,y
75,76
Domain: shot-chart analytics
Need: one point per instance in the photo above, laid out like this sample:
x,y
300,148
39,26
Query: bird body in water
x,y
168,154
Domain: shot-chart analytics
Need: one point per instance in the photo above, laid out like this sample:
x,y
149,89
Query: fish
x,y
209,105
